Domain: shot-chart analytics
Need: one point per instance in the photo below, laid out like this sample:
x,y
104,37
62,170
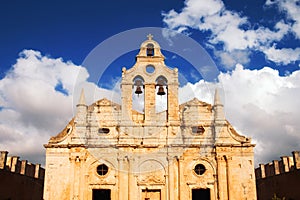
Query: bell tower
x,y
151,78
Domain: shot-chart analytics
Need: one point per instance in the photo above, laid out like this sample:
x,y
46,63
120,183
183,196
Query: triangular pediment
x,y
106,102
195,102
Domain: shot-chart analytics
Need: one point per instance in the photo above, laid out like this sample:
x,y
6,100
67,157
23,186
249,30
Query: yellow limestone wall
x,y
149,154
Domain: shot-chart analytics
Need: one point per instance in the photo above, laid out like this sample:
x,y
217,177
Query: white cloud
x,y
283,56
32,110
233,58
225,27
292,10
260,104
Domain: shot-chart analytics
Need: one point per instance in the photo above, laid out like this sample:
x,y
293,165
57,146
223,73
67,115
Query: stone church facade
x,y
113,152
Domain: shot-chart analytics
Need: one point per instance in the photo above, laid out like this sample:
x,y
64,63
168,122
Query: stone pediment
x,y
229,136
196,102
63,134
106,102
235,135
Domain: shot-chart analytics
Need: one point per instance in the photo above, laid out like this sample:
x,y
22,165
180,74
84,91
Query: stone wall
x,y
182,152
280,177
20,179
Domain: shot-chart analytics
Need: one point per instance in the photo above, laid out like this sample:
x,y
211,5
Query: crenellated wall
x,y
19,179
23,167
280,177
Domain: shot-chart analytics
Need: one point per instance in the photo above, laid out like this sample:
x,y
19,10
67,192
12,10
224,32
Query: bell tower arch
x,y
157,80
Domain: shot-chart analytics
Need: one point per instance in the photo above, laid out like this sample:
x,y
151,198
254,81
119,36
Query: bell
x,y
161,91
138,90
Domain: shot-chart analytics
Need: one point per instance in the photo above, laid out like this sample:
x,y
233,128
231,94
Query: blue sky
x,y
70,30
255,45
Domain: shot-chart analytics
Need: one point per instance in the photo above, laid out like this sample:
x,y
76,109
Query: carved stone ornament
x,y
151,180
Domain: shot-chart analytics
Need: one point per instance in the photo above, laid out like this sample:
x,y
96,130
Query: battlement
x,y
23,167
276,167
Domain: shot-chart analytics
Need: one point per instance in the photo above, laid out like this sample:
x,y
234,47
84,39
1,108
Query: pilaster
x,y
126,103
173,107
77,159
149,103
222,174
172,186
123,178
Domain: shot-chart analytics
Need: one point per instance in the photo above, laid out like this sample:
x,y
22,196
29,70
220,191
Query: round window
x,y
150,69
199,169
102,169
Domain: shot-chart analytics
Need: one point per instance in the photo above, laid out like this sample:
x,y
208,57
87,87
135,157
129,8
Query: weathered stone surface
x,y
149,154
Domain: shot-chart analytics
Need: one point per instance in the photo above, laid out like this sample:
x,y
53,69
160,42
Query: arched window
x,y
161,102
137,94
161,83
138,84
150,49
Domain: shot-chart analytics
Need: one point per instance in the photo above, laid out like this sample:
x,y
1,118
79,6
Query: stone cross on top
x,y
149,36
